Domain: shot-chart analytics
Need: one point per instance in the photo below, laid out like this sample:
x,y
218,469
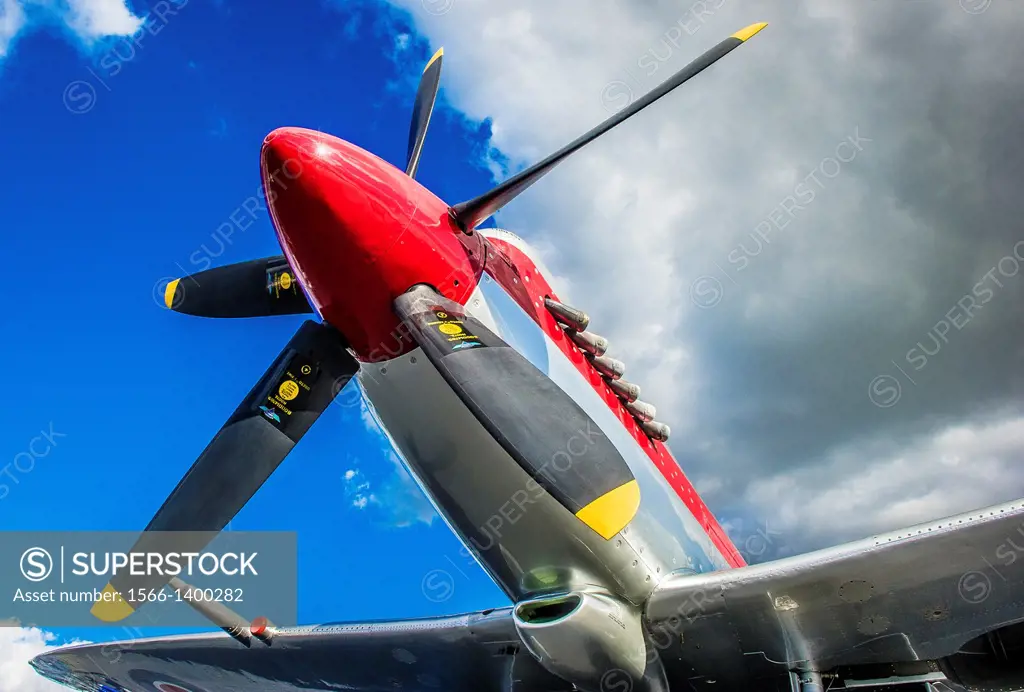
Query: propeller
x,y
421,111
265,287
299,386
471,213
257,288
525,412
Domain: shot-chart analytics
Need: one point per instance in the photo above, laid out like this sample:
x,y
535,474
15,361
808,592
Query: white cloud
x,y
861,489
381,485
89,20
92,19
12,19
19,645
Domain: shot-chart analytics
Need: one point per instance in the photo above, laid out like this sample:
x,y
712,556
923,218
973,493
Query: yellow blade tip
x,y
744,34
169,293
610,513
435,56
111,607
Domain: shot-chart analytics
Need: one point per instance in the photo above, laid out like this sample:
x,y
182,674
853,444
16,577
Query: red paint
x,y
258,626
507,262
169,687
359,232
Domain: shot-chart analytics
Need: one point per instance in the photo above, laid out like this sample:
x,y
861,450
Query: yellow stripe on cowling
x,y
438,54
111,607
610,513
744,34
169,293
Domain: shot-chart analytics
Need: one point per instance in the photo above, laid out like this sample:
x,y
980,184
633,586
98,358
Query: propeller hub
x,y
359,232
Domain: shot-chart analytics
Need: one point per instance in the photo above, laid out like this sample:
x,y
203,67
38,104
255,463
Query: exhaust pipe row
x,y
594,348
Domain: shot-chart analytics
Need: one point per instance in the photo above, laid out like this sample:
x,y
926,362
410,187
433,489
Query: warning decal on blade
x,y
280,280
290,390
452,330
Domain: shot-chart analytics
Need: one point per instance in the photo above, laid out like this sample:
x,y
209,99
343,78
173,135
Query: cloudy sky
x,y
808,257
813,246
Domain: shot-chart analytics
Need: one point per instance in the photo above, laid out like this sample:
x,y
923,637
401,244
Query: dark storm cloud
x,y
943,207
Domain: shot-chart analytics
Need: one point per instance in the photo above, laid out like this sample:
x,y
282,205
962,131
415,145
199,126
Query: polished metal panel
x,y
479,652
583,635
915,594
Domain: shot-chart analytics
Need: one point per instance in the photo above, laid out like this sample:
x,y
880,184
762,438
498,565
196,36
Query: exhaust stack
x,y
656,431
625,390
569,316
591,343
609,367
641,410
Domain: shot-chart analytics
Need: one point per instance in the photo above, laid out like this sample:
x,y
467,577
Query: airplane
x,y
497,396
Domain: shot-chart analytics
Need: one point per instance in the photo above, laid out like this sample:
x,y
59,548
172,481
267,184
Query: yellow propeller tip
x,y
111,607
434,57
609,514
745,34
169,293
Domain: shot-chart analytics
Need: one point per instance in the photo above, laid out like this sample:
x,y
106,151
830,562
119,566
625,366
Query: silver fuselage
x,y
529,543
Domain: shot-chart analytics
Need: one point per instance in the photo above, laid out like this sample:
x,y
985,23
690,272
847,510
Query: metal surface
x,y
468,653
913,595
583,635
529,543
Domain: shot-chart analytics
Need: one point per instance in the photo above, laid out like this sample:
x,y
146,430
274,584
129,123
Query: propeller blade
x,y
422,110
302,382
470,214
540,426
257,288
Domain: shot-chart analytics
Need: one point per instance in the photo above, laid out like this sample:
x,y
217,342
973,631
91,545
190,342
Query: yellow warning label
x,y
450,329
288,390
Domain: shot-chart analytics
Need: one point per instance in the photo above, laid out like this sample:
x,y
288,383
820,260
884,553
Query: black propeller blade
x,y
535,422
422,110
470,214
272,418
257,288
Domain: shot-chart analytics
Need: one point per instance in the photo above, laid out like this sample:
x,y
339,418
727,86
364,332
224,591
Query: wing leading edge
x,y
913,595
477,652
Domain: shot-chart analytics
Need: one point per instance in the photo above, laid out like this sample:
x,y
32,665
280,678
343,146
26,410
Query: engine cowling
x,y
584,637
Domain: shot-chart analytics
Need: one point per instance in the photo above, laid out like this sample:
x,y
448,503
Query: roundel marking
x,y
162,686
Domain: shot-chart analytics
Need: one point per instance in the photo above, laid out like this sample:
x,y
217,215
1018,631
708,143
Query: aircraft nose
x,y
321,192
357,231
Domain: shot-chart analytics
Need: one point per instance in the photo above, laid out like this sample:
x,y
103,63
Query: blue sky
x,y
119,181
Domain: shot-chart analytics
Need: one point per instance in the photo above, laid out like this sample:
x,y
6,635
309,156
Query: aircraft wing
x,y
478,652
912,595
